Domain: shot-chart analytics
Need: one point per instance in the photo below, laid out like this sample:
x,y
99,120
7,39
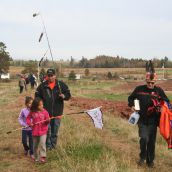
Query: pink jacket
x,y
35,117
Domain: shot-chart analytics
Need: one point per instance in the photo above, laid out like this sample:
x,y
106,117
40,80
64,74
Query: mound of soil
x,y
116,108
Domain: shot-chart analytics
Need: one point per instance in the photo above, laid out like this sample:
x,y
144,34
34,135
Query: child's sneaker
x,y
36,160
43,160
26,152
32,157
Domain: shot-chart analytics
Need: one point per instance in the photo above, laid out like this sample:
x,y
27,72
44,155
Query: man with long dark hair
x,y
53,93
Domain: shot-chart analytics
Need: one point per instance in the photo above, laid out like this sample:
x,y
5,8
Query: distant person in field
x,y
27,80
26,131
32,80
22,84
38,119
150,97
53,93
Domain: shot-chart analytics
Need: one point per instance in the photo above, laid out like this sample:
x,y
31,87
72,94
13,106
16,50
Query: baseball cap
x,y
51,72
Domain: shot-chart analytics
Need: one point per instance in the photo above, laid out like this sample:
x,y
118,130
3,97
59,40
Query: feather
x,y
152,70
41,61
150,67
147,67
40,38
34,15
42,58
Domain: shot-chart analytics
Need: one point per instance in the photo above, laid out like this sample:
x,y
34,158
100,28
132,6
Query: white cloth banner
x,y
96,115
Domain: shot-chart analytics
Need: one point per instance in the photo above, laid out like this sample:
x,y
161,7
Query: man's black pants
x,y
147,134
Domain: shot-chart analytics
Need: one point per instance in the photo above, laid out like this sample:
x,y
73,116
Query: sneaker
x,y
43,159
141,162
151,165
32,157
36,160
26,152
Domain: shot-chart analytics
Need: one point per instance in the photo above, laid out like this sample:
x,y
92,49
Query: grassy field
x,y
135,72
81,147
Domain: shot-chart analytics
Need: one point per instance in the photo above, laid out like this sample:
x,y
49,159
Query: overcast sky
x,y
129,28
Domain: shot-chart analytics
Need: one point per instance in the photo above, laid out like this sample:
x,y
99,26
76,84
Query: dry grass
x,y
15,70
135,72
81,147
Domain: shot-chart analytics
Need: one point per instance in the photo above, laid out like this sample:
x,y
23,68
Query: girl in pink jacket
x,y
38,119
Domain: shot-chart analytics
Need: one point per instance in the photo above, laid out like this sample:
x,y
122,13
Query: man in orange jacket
x,y
53,93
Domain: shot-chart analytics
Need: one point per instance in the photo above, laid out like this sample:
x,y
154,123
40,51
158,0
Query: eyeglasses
x,y
151,83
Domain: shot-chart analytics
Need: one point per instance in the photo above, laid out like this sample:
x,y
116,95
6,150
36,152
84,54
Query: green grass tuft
x,y
89,151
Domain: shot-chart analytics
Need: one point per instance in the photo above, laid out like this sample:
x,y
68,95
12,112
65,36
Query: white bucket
x,y
134,118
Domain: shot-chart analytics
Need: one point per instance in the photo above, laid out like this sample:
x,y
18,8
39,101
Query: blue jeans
x,y
27,134
52,133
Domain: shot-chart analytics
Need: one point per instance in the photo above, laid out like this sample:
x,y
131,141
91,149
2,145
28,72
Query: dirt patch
x,y
165,85
127,86
107,106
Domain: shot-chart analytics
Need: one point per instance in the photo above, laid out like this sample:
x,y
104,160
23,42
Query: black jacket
x,y
149,113
53,103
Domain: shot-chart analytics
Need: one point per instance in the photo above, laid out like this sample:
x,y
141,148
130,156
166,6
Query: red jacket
x,y
34,120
